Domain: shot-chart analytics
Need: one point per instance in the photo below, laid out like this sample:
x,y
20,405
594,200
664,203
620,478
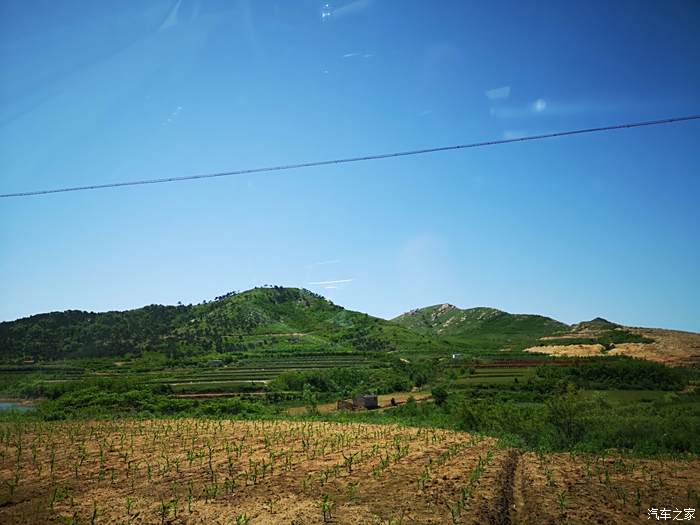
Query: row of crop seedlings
x,y
299,366
224,387
49,463
311,360
318,355
627,484
281,365
466,491
44,466
381,457
503,372
230,374
236,376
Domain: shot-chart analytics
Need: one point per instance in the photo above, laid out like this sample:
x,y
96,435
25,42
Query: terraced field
x,y
251,371
495,376
242,375
203,471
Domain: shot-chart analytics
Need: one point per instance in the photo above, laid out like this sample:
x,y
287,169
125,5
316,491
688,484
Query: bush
x,y
564,414
616,373
343,381
440,395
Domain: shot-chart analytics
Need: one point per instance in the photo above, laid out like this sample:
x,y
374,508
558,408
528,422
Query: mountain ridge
x,y
232,322
449,320
284,319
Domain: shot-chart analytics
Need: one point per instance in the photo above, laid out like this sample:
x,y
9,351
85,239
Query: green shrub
x,y
440,395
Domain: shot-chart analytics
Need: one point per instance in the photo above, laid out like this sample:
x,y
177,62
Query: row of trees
x,y
616,373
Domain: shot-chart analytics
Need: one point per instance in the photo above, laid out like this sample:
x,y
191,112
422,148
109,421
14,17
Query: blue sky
x,y
572,228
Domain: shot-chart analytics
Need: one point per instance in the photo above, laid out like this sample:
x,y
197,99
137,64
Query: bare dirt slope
x,y
573,350
224,472
670,347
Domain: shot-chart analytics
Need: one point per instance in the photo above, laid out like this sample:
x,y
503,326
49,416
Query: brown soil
x,y
596,489
276,472
670,347
567,350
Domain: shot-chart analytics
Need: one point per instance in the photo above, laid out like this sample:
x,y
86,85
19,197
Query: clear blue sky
x,y
572,228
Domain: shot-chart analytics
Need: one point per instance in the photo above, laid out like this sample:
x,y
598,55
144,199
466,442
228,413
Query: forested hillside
x,y
274,318
277,320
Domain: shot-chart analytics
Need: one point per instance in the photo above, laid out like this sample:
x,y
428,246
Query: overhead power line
x,y
358,159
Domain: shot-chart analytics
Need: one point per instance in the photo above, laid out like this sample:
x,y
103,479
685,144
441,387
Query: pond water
x,y
9,405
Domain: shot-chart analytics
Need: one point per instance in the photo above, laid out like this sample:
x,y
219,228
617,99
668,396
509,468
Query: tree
x,y
440,395
565,414
310,399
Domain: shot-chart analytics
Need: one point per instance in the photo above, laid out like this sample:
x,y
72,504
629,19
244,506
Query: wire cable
x,y
357,159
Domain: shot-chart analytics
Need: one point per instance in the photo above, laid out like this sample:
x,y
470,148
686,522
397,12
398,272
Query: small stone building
x,y
361,402
366,401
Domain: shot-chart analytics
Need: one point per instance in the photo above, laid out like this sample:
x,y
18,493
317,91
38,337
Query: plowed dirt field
x,y
281,472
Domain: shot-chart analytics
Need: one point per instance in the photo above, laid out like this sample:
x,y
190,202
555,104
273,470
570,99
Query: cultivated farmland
x,y
220,471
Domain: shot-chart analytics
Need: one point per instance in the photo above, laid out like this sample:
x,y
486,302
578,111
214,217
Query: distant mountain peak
x,y
597,323
447,320
445,307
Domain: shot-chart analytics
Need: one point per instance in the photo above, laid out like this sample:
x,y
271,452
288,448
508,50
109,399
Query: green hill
x,y
273,319
276,321
480,328
448,320
488,331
